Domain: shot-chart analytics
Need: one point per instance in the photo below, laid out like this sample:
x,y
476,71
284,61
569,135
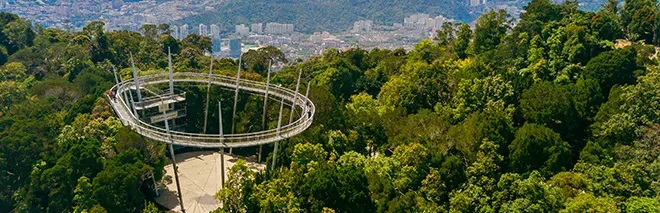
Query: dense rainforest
x,y
559,112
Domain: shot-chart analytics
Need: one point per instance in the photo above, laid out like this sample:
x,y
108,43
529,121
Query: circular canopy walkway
x,y
125,113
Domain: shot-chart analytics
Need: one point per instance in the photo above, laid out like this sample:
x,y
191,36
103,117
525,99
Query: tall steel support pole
x,y
153,178
309,83
133,105
295,96
176,177
135,77
233,117
176,173
279,124
222,150
220,119
114,71
263,116
124,93
238,78
261,147
169,62
208,91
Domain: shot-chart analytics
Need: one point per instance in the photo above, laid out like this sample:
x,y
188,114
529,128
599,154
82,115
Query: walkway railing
x,y
125,114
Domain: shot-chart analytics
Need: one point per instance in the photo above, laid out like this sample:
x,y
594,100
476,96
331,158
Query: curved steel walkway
x,y
124,113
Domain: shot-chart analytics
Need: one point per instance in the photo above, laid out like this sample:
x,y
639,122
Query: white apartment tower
x,y
257,28
242,30
363,26
183,31
215,31
277,28
175,31
203,30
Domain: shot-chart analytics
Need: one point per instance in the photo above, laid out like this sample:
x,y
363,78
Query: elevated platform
x,y
151,102
300,124
169,115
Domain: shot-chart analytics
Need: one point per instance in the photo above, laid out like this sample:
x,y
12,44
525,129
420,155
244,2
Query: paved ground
x,y
199,173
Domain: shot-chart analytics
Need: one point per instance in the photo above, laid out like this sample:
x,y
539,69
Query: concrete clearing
x,y
199,173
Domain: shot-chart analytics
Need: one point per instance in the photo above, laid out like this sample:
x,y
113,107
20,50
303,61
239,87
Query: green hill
x,y
322,15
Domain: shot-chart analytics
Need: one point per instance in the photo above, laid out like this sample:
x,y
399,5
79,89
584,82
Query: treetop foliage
x,y
555,113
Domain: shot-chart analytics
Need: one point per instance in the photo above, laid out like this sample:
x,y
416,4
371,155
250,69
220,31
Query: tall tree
x,y
489,30
538,148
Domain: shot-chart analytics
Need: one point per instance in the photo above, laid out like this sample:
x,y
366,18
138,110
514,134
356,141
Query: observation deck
x,y
145,128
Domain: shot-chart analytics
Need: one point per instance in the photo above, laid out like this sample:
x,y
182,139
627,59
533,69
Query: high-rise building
x,y
257,28
242,30
183,31
363,26
215,31
277,28
235,47
203,30
175,31
419,21
438,21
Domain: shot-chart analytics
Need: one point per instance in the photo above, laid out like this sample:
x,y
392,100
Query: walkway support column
x,y
208,90
222,150
279,125
233,117
176,170
135,78
238,78
126,97
153,178
309,83
169,61
263,116
133,105
295,97
114,71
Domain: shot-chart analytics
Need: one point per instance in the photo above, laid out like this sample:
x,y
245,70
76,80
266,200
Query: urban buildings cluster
x,y
366,34
131,15
117,14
